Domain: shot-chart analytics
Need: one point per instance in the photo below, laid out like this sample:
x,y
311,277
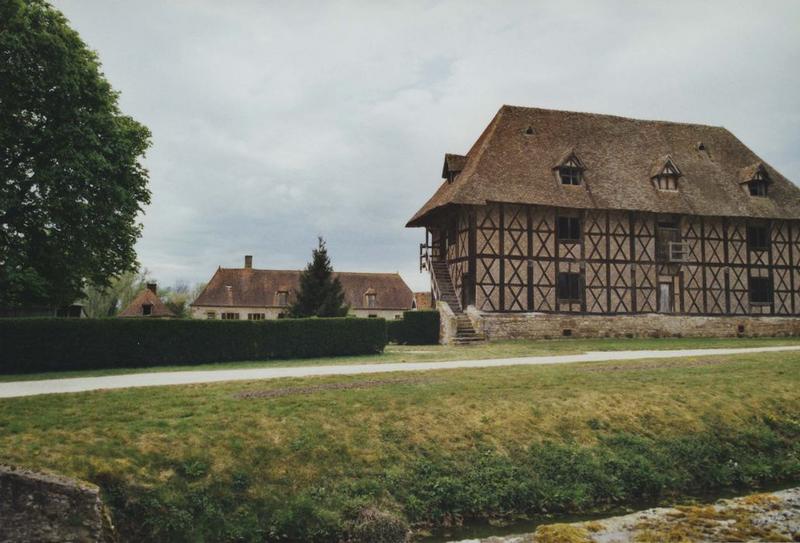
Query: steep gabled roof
x,y
754,172
248,287
453,164
569,158
506,164
663,165
146,297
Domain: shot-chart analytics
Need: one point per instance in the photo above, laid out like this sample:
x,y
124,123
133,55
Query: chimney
x,y
152,287
248,261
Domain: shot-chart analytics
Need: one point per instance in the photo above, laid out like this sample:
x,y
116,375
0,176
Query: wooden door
x,y
665,298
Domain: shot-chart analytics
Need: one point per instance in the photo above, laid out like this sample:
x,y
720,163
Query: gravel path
x,y
15,389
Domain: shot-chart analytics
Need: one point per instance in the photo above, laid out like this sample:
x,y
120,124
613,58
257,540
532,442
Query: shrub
x,y
415,328
376,526
395,331
37,345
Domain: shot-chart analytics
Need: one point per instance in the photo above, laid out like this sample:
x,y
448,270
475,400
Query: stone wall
x,y
448,325
49,508
498,326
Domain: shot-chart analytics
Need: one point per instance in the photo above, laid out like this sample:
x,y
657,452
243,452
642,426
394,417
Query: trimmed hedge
x,y
39,345
415,328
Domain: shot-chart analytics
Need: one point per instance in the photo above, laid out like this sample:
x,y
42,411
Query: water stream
x,y
479,529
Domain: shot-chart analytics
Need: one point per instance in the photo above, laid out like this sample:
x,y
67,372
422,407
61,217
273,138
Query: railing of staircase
x,y
426,263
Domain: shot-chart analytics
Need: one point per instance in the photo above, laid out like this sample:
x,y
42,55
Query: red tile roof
x,y
248,287
423,300
146,297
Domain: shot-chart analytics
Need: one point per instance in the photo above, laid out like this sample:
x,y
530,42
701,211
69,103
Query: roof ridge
x,y
609,116
300,271
260,269
473,161
484,133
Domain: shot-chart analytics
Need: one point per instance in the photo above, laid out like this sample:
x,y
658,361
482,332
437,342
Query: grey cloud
x,y
275,122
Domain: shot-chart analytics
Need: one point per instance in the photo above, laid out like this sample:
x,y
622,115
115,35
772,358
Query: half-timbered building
x,y
554,212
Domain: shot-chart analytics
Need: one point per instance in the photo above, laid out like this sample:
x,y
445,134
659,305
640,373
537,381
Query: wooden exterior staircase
x,y
445,291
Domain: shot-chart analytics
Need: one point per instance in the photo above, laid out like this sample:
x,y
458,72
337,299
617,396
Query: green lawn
x,y
299,459
428,353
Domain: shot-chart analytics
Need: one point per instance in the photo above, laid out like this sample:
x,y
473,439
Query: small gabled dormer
x,y
453,164
665,174
282,297
370,298
569,169
755,179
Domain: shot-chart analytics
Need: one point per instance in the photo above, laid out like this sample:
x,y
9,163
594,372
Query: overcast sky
x,y
274,122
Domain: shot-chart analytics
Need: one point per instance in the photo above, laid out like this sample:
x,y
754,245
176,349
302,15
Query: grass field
x,y
430,353
301,459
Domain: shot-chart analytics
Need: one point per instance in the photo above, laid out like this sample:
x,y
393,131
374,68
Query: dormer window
x,y
665,174
570,169
757,188
453,164
667,182
282,298
147,309
569,175
371,299
756,180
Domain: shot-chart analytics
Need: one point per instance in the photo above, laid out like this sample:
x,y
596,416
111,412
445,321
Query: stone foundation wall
x,y
48,508
548,326
448,325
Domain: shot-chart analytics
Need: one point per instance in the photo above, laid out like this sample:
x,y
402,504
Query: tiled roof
x,y
423,300
513,159
146,297
248,287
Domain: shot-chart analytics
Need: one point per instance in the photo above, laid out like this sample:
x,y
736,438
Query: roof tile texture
x,y
146,297
248,287
508,165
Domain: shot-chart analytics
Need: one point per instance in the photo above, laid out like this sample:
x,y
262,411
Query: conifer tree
x,y
320,293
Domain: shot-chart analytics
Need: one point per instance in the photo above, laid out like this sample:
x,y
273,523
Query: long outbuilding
x,y
254,294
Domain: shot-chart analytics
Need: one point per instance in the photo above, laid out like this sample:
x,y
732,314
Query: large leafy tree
x,y
71,180
320,293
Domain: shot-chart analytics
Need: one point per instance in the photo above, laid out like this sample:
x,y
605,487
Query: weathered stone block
x,y
48,508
